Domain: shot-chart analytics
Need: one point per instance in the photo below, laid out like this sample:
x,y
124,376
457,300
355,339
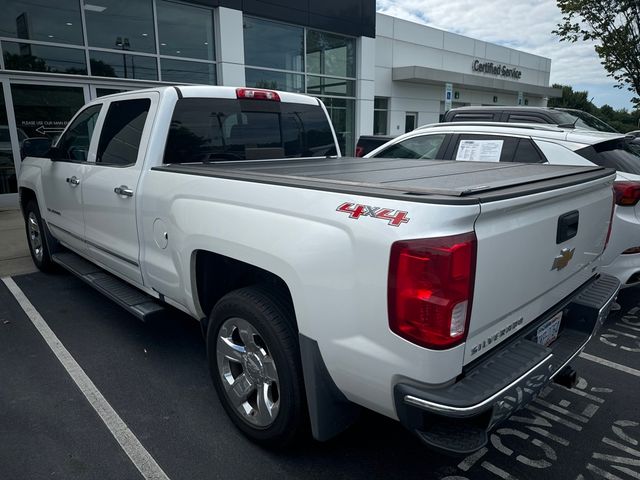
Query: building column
x,y
230,47
365,89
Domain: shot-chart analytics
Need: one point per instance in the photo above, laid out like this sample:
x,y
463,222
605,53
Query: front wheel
x,y
254,362
37,238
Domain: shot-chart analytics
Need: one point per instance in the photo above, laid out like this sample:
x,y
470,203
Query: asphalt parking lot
x,y
155,378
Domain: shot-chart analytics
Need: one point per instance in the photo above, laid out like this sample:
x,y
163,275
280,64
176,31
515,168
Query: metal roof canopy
x,y
425,75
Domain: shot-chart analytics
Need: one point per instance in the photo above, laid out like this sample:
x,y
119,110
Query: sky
x,y
524,25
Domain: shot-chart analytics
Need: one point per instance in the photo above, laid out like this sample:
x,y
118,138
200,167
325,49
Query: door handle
x,y
73,181
124,191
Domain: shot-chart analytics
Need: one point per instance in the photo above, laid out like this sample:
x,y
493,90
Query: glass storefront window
x,y
342,114
49,21
42,58
330,54
8,183
330,86
107,64
380,115
290,82
273,45
45,110
180,71
185,31
120,24
101,92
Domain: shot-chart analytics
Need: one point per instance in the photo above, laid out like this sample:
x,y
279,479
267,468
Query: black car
x,y
565,117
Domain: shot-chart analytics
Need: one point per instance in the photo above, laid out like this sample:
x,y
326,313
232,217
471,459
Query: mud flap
x,y
330,411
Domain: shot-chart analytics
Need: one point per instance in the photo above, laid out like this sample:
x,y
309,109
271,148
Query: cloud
x,y
520,24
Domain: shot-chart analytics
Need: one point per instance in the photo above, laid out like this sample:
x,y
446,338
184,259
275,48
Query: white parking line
x,y
607,363
140,457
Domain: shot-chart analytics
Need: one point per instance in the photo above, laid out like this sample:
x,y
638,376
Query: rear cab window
x,y
218,129
617,153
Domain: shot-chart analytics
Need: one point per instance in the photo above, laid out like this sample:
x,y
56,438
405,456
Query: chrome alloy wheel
x,y
248,372
35,238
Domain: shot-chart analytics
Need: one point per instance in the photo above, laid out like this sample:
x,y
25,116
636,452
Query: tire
x,y
39,242
254,361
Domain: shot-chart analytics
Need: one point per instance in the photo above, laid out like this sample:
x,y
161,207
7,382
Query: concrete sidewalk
x,y
14,251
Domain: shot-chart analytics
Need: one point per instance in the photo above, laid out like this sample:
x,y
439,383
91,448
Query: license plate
x,y
548,331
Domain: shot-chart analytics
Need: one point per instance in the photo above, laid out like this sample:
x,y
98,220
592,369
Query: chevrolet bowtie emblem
x,y
563,259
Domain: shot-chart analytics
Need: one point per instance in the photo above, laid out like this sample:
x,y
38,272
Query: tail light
x,y
430,289
627,194
255,94
359,151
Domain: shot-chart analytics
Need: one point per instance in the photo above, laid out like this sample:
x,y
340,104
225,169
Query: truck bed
x,y
429,181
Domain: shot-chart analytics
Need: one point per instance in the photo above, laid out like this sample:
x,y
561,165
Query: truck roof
x,y
211,91
428,181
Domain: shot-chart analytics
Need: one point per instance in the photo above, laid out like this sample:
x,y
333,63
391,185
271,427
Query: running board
x,y
136,302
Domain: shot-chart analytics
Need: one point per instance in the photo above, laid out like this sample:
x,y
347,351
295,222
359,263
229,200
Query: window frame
x,y
144,136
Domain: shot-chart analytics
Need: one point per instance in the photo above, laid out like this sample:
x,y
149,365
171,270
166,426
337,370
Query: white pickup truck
x,y
442,294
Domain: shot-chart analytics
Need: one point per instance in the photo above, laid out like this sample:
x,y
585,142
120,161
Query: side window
x,y
74,144
515,118
527,152
485,148
475,117
423,147
121,132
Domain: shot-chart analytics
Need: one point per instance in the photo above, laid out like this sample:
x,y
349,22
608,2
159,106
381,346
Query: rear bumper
x,y
456,418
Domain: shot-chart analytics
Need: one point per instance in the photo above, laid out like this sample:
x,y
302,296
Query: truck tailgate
x,y
533,251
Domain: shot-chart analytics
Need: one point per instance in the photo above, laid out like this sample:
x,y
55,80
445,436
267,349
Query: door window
x,y
74,143
424,147
522,118
485,148
122,131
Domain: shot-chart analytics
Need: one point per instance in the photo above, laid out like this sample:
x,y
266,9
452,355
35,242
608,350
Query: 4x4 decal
x,y
395,217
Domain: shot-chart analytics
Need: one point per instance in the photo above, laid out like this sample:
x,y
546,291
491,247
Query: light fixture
x,y
69,24
94,8
50,36
206,43
145,34
177,51
163,44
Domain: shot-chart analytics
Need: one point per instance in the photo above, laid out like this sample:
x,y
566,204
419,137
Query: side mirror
x,y
36,147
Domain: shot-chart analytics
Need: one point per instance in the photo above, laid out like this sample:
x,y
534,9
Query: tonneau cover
x,y
397,177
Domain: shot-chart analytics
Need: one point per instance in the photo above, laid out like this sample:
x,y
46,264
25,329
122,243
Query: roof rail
x,y
530,126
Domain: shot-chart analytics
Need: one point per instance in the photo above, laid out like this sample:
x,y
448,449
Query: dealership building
x,y
375,73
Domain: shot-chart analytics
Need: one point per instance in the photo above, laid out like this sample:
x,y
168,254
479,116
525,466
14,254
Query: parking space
x,y
155,377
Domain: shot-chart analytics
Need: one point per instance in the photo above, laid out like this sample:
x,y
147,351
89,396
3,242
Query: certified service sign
x,y
496,69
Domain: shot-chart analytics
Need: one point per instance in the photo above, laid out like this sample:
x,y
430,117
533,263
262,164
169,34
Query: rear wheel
x,y
255,364
37,238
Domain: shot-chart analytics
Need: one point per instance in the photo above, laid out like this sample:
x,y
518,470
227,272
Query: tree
x,y
615,27
572,99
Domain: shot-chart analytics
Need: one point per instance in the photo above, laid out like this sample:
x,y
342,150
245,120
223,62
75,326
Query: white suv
x,y
533,143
